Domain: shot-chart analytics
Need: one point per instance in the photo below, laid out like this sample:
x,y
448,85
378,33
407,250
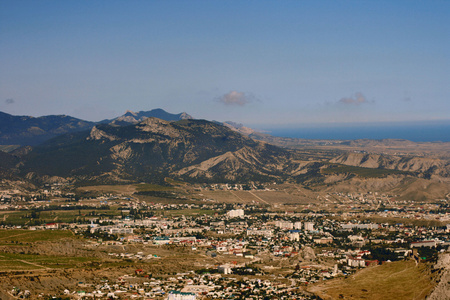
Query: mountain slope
x,y
153,149
25,130
248,163
428,166
8,163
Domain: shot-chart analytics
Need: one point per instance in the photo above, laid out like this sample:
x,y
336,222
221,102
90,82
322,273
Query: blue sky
x,y
274,63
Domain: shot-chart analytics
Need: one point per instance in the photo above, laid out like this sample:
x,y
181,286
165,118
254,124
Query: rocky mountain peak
x,y
130,112
158,126
185,116
98,134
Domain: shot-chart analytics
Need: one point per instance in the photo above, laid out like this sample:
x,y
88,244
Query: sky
x,y
260,63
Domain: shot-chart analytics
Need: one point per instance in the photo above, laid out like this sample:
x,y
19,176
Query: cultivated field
x,y
19,236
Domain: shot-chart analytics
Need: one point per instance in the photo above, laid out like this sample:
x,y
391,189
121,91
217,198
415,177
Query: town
x,y
251,250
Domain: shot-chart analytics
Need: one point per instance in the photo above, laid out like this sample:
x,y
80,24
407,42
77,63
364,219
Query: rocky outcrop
x,y
98,134
158,127
442,290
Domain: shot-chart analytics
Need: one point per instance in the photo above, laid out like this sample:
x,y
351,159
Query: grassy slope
x,y
30,236
397,280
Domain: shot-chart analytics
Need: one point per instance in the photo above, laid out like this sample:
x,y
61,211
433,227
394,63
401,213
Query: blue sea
x,y
432,131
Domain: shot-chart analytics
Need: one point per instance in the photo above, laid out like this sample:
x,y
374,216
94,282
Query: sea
x,y
430,131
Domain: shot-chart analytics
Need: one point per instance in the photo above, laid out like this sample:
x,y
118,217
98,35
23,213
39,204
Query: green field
x,y
7,264
34,261
58,215
31,236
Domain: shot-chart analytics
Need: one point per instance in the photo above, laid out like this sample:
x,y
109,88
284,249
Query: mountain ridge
x,y
31,131
152,147
26,130
138,148
131,117
200,151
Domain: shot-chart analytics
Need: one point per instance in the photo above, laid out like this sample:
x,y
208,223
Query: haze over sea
x,y
426,131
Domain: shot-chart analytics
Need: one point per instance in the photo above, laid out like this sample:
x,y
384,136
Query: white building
x,y
356,262
350,226
284,225
235,213
298,225
118,230
309,226
224,269
294,236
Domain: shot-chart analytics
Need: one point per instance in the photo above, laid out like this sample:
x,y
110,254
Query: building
x,y
224,269
164,240
323,240
309,226
294,235
176,295
356,262
357,240
284,225
351,226
235,213
298,225
51,226
264,232
429,244
119,230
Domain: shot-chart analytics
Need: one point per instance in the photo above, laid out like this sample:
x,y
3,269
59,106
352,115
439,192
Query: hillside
x,y
210,152
153,149
426,165
397,280
25,130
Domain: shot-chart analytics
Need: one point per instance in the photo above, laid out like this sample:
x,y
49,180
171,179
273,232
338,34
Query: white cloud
x,y
358,99
236,98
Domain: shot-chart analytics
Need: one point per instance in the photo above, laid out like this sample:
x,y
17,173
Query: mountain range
x,y
138,147
153,149
31,131
26,130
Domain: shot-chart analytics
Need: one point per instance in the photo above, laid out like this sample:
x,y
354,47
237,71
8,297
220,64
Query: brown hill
x,y
428,166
